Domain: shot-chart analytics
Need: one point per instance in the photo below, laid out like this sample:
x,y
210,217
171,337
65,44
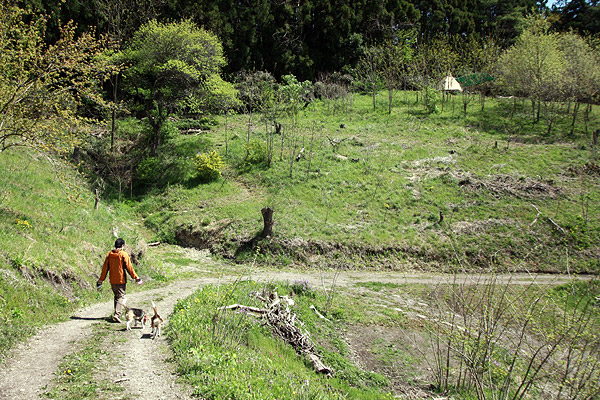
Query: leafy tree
x,y
396,55
368,71
582,72
41,87
534,65
174,67
294,95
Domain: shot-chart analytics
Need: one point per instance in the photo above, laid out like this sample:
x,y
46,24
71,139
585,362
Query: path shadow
x,y
108,319
132,328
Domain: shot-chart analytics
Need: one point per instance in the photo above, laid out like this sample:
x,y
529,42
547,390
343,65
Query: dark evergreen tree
x,y
309,37
580,15
503,19
302,38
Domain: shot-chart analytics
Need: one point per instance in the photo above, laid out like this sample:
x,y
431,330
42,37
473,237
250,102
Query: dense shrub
x,y
256,153
209,166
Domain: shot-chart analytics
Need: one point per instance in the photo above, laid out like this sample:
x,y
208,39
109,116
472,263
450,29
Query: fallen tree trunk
x,y
283,323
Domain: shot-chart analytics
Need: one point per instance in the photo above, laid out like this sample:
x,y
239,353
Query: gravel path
x,y
29,370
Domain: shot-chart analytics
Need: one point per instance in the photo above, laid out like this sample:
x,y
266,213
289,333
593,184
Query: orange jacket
x,y
117,261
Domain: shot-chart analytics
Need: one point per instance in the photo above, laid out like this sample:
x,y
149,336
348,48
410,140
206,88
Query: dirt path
x,y
146,374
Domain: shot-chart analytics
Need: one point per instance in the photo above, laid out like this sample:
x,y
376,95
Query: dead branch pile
x,y
519,187
285,325
590,169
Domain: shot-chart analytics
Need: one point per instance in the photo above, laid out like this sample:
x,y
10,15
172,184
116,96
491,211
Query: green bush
x,y
209,166
149,168
431,98
256,153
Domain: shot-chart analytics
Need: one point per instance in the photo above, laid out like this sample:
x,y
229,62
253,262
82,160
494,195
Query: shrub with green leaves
x,y
431,98
209,166
256,153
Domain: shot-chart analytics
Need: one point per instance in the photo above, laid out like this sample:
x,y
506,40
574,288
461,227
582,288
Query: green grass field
x,y
369,188
366,193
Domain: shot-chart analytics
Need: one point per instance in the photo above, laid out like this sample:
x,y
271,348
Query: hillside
x,y
356,188
366,195
52,242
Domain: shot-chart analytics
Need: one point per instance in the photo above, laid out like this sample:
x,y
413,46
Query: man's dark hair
x,y
119,243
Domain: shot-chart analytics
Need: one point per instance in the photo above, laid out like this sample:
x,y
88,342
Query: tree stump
x,y
267,214
97,193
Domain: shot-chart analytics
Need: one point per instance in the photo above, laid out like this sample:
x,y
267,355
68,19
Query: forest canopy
x,y
315,36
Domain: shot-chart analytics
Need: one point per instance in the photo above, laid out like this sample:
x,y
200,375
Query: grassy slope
x,y
408,167
393,331
226,354
489,173
53,243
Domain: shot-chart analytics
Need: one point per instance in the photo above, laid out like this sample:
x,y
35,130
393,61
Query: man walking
x,y
117,262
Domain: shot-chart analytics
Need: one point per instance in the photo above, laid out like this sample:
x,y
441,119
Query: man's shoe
x,y
117,319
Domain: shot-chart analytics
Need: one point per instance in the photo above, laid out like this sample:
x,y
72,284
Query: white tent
x,y
451,84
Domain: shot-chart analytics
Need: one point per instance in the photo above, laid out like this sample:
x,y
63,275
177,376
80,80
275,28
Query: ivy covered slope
x,y
357,188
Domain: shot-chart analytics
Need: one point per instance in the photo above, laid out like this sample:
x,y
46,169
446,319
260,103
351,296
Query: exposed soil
x,y
139,363
368,347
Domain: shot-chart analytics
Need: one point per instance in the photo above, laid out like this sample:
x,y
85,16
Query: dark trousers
x,y
119,292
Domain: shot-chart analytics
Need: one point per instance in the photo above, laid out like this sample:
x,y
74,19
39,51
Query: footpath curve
x,y
29,370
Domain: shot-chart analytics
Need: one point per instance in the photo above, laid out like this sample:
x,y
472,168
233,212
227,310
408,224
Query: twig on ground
x,y
537,216
318,313
558,227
